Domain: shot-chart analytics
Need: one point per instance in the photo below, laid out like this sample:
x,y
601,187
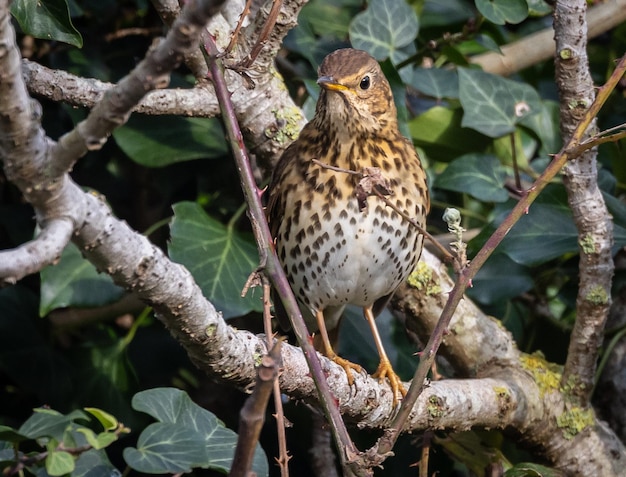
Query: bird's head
x,y
356,97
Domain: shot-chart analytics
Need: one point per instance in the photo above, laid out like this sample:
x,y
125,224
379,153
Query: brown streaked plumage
x,y
334,253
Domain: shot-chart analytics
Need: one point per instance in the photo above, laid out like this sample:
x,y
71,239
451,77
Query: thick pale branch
x,y
59,85
593,221
32,256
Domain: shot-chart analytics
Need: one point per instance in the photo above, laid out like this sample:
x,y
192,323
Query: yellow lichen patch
x,y
287,126
545,374
435,407
597,295
574,421
501,392
587,244
276,74
422,279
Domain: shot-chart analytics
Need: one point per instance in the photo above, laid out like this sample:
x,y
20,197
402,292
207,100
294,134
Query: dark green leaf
x,y
107,421
219,257
545,233
174,408
545,125
95,463
97,441
59,463
487,43
46,19
436,82
165,448
503,11
384,28
328,17
445,12
157,141
480,175
49,423
500,278
494,105
439,132
8,434
75,282
538,8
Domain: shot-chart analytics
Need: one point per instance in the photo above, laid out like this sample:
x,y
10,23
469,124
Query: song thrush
x,y
334,250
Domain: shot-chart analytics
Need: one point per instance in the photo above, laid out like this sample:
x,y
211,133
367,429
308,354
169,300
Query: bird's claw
x,y
348,366
385,370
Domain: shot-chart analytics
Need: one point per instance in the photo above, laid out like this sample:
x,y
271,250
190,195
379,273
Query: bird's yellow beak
x,y
329,83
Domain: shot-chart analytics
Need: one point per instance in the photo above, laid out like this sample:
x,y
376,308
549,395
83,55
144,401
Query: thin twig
x,y
279,415
252,414
235,35
426,441
263,36
598,139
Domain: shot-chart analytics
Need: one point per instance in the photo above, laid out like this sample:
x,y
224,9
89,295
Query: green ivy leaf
x,y
545,233
500,278
439,132
97,441
503,11
108,421
165,449
219,257
479,175
436,82
437,13
59,463
539,8
46,19
95,463
384,28
158,141
187,436
545,125
75,282
493,105
49,423
8,434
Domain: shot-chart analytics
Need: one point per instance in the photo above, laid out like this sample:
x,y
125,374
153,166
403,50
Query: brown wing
x,y
275,209
275,212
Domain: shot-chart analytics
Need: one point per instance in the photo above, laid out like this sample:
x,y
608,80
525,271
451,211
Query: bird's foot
x,y
348,366
385,370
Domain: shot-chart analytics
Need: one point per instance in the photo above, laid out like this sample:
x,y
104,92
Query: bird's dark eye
x,y
365,82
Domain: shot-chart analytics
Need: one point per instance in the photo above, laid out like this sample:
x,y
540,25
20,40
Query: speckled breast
x,y
335,254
